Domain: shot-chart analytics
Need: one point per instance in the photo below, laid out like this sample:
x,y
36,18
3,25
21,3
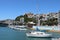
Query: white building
x,y
52,15
22,20
45,17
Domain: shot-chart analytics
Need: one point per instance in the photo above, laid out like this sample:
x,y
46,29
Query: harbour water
x,y
7,33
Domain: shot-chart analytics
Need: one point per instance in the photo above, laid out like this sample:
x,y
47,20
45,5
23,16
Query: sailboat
x,y
38,33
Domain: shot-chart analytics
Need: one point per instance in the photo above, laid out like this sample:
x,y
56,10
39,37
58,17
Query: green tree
x,y
26,19
18,18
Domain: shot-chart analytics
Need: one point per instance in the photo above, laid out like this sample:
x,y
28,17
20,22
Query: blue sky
x,y
10,9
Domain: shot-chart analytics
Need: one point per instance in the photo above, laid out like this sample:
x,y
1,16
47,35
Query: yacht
x,y
38,34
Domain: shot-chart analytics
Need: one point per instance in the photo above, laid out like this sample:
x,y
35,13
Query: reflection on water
x,y
38,38
43,38
55,39
10,34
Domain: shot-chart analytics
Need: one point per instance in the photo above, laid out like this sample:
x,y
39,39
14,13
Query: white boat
x,y
21,27
38,34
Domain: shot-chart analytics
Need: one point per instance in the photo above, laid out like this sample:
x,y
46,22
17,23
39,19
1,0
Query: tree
x,y
26,19
52,21
18,18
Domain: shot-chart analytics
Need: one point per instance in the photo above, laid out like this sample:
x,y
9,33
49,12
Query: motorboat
x,y
22,27
38,34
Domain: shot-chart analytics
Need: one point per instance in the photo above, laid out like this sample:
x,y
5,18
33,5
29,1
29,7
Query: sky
x,y
10,9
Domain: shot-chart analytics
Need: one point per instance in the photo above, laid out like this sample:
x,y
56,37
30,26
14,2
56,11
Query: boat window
x,y
41,33
29,32
38,33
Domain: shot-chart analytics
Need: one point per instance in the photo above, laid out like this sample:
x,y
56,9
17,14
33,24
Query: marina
x,y
29,19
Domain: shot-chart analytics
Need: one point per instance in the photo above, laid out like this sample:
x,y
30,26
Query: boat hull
x,y
30,35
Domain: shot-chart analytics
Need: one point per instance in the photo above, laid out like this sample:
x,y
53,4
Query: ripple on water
x,y
10,34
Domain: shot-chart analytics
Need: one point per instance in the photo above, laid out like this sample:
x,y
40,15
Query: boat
x,y
21,28
38,34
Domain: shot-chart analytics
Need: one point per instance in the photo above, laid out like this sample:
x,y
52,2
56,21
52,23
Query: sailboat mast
x,y
38,24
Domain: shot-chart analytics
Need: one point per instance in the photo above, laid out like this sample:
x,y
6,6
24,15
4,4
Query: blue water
x,y
10,34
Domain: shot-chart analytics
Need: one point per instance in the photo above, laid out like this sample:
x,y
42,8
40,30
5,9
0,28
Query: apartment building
x,y
52,15
44,17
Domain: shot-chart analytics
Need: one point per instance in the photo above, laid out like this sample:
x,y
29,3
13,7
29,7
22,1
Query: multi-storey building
x,y
44,17
52,15
36,16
